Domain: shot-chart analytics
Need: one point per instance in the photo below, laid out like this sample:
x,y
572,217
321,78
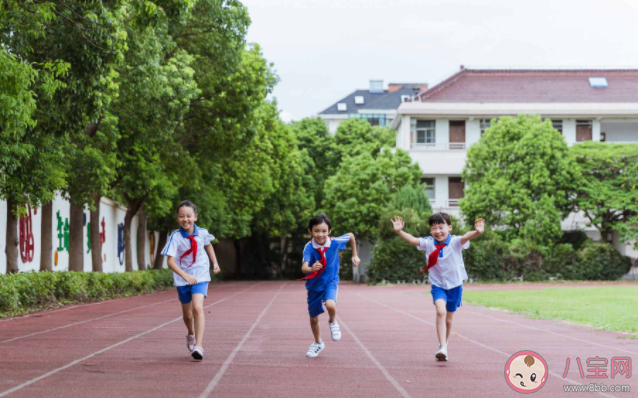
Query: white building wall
x,y
112,214
595,131
442,131
472,132
620,131
569,131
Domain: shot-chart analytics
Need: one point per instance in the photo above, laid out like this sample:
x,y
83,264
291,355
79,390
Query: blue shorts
x,y
185,293
316,299
452,296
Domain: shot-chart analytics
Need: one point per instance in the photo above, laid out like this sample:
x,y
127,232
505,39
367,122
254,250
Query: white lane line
x,y
374,360
211,386
81,322
44,376
473,341
555,333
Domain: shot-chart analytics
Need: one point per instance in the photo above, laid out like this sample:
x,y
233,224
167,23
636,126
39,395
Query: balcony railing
x,y
443,146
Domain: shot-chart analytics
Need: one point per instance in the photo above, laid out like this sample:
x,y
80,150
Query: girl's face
x,y
186,218
320,233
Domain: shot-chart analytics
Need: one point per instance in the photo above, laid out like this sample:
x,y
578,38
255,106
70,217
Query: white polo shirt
x,y
449,271
178,244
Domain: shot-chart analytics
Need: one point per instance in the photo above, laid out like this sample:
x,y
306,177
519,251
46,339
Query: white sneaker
x,y
198,353
190,342
335,332
315,349
441,354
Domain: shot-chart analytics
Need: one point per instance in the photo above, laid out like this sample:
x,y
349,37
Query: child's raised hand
x,y
397,223
356,261
316,266
479,225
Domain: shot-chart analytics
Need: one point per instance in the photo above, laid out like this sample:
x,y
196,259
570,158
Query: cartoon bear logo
x,y
526,372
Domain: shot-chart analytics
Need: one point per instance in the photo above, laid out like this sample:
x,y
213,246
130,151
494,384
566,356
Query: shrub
x,y
31,291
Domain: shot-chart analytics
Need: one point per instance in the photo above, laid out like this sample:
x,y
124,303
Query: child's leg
x,y
316,329
441,315
331,306
198,314
187,313
448,324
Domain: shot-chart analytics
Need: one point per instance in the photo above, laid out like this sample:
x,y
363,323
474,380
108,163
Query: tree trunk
x,y
141,240
128,253
96,244
76,238
237,246
159,259
46,238
12,241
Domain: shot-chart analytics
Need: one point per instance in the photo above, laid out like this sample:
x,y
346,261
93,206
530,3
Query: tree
x,y
319,146
154,98
607,192
356,136
359,192
29,162
520,176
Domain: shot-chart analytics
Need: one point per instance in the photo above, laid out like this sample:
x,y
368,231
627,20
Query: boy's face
x,y
186,217
440,231
320,233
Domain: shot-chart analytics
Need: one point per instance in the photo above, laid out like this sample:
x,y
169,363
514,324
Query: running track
x,y
257,334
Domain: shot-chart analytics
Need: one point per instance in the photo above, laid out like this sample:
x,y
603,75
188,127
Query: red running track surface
x,y
257,335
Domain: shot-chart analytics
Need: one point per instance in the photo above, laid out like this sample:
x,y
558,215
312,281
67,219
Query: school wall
x,y
111,213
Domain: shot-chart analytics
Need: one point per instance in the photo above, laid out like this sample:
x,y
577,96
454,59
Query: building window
x,y
485,124
430,188
558,125
373,118
425,132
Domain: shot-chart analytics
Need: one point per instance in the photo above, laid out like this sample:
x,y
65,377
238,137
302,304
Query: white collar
x,y
317,246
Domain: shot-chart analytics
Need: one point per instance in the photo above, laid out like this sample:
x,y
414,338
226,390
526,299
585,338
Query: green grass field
x,y
604,308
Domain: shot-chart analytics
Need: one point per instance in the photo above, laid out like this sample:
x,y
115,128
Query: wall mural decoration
x,y
120,243
63,233
63,236
26,236
151,239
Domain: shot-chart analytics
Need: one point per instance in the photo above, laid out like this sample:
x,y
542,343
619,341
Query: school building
x,y
376,104
437,126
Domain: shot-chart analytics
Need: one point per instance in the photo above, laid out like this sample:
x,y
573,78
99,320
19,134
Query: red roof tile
x,y
533,86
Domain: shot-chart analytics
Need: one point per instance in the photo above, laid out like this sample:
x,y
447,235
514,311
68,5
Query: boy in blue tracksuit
x,y
322,279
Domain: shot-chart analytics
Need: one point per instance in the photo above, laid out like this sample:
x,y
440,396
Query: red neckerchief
x,y
193,250
433,257
323,260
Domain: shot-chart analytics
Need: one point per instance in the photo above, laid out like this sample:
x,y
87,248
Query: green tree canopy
x,y
607,192
363,186
520,176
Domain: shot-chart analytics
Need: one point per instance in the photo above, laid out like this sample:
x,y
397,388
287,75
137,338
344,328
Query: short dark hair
x,y
439,218
319,219
187,203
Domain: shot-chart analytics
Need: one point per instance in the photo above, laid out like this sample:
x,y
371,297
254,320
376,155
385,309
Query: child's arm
x,y
479,227
398,225
355,257
213,258
315,267
188,278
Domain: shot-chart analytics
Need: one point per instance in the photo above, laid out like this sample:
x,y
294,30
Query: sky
x,y
323,50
